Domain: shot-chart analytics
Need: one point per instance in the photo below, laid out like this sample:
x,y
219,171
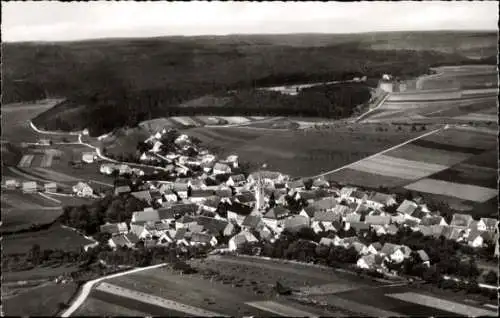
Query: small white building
x,y
89,157
30,187
83,190
12,184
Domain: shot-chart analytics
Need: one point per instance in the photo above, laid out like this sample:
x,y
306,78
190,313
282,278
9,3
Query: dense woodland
x,y
116,83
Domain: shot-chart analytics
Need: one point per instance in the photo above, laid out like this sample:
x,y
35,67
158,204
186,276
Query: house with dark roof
x,y
221,168
296,223
252,222
247,198
326,216
185,221
393,252
407,207
433,220
360,227
244,237
357,197
324,204
203,239
143,196
114,228
120,240
211,225
199,195
238,212
475,238
295,184
275,217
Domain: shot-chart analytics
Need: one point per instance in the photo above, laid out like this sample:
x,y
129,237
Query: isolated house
x,y
12,184
83,190
30,186
89,157
50,187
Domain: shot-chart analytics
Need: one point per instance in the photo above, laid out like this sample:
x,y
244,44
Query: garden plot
x,y
96,307
478,117
184,121
429,155
396,167
451,189
236,120
488,159
15,219
26,161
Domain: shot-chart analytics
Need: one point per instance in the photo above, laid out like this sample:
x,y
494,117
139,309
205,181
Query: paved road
x,y
87,287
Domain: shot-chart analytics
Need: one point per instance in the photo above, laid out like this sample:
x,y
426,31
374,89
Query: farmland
x,y
302,152
55,237
238,286
454,165
39,301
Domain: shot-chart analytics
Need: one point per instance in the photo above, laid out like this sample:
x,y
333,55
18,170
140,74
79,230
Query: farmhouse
x,y
379,200
12,184
203,239
83,190
88,157
275,217
50,187
107,168
30,186
252,222
370,261
488,224
147,215
238,212
241,239
296,223
122,190
143,196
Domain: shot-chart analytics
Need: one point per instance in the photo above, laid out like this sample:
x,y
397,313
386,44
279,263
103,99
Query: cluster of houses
x,y
31,186
201,209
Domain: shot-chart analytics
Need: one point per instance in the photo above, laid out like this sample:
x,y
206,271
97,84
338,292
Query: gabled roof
x,y
381,198
377,219
186,219
223,192
407,207
358,246
145,216
201,238
349,240
122,189
245,197
252,221
418,213
377,246
357,194
132,238
278,212
391,229
326,216
120,240
461,220
342,209
199,193
212,201
410,223
166,213
222,167
426,230
299,183
212,225
310,210
238,177
431,220
114,228
160,226
353,217
320,182
389,248
240,209
438,230
423,256
491,224
137,229
180,234
473,234
184,208
142,195
265,174
296,222
325,203
360,226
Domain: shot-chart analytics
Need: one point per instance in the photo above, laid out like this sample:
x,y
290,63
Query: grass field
x,y
42,301
55,237
93,306
304,152
15,218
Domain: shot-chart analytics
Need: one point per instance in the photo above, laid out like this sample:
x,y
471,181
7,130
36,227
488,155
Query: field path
x,y
382,152
87,287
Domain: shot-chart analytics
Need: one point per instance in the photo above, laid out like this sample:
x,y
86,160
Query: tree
x,y
491,278
308,184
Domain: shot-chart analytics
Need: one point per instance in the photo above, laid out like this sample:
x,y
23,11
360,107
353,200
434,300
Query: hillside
x,y
129,80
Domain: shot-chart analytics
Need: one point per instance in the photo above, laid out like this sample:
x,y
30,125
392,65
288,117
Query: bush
x,y
491,278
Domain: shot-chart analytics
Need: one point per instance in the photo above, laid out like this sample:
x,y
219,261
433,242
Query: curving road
x,y
87,287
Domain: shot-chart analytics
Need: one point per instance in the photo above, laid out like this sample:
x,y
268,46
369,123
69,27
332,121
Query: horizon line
x,y
244,34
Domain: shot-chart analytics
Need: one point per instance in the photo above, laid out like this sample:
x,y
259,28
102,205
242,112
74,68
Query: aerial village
x,y
210,197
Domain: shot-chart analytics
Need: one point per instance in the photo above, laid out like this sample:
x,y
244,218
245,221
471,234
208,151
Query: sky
x,y
58,21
